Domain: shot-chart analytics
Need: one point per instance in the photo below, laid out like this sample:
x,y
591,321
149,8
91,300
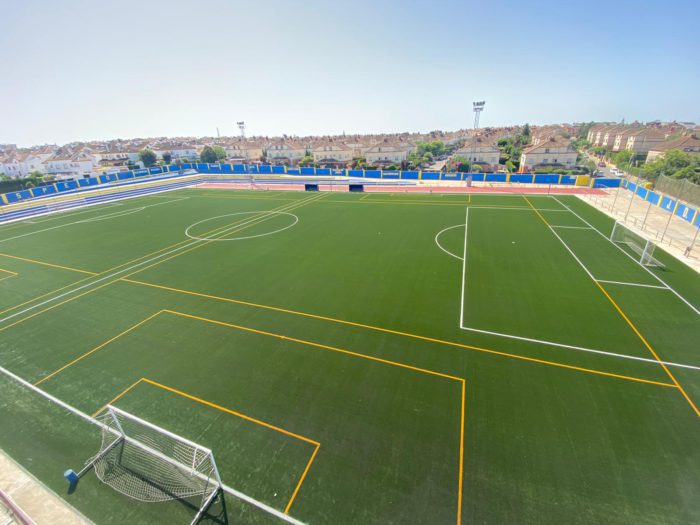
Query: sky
x,y
91,70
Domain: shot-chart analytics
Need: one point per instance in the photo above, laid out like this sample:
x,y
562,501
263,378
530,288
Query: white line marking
x,y
92,219
551,343
92,420
632,258
295,220
464,266
441,247
635,284
142,263
571,227
572,253
579,348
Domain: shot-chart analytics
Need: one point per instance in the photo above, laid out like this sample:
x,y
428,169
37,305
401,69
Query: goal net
x,y
151,464
641,246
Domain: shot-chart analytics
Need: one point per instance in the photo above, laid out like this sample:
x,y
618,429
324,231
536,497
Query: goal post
x,y
640,245
148,463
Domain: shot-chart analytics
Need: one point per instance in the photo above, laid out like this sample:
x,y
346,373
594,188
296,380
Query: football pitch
x,y
360,358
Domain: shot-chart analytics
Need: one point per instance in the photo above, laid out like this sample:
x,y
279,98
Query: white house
x,y
554,152
282,151
332,153
20,163
480,151
69,162
386,153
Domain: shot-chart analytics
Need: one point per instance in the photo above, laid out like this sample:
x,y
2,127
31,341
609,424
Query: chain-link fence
x,y
682,189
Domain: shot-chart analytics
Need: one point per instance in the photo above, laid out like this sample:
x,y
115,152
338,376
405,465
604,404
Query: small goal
x,y
641,246
148,463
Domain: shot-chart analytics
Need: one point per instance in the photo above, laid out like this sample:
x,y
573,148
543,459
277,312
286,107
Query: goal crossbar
x,y
638,243
93,421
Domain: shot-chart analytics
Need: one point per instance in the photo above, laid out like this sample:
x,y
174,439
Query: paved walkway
x,y
652,222
36,500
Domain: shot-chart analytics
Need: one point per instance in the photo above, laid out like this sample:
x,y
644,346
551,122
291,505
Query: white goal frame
x,y
638,243
114,436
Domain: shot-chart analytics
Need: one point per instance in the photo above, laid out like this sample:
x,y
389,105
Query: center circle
x,y
251,221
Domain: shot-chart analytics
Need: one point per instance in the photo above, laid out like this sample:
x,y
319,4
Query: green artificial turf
x,y
345,366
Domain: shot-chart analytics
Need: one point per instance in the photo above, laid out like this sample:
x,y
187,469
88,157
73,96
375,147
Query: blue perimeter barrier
x,y
665,202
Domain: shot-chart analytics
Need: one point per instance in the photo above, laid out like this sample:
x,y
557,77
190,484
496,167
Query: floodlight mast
x,y
241,126
478,108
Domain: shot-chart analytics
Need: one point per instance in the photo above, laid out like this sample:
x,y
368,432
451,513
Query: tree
x,y
583,130
220,153
526,130
459,163
308,160
167,157
208,154
148,157
674,163
623,159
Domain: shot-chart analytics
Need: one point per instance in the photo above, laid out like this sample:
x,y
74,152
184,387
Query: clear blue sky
x,y
80,70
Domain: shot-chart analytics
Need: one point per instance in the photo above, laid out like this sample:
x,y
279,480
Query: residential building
x,y
386,153
643,140
243,150
687,143
552,153
286,151
482,152
331,153
71,162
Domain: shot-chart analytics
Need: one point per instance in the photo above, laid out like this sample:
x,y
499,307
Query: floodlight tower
x,y
241,126
478,108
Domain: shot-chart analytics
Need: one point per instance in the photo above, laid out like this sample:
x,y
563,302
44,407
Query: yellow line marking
x,y
10,276
229,411
247,197
354,354
116,398
301,480
316,444
227,229
51,265
90,352
397,332
461,454
317,345
248,418
648,346
43,295
634,329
